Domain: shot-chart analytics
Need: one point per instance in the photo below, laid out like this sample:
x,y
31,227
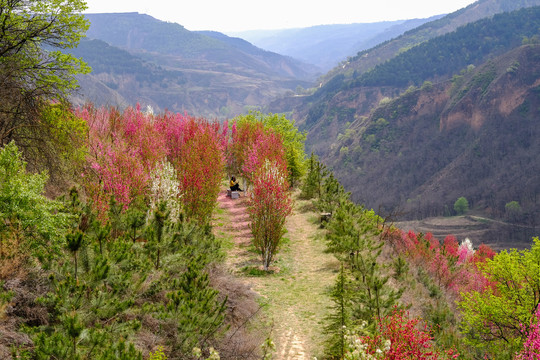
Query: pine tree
x,y
373,298
74,243
135,219
317,172
352,237
156,232
339,318
195,307
115,217
332,195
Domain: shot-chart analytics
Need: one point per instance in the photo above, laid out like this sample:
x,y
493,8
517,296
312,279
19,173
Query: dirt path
x,y
295,296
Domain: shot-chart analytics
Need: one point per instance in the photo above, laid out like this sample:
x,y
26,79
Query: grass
x,y
256,271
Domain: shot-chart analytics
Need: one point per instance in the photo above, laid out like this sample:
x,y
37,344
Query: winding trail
x,y
295,295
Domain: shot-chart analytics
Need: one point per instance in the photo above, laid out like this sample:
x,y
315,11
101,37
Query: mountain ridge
x,y
339,41
163,65
367,59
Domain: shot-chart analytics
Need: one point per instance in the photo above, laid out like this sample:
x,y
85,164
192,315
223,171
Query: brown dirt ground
x,y
295,294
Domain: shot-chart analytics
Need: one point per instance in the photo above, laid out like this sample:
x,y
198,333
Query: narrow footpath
x,y
295,295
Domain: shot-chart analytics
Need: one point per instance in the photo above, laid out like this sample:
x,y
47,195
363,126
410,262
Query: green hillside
x,y
475,136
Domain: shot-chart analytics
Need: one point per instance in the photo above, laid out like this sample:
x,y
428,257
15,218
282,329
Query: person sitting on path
x,y
234,185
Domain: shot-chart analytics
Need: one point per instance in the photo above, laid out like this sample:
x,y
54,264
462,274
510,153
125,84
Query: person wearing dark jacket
x,y
234,185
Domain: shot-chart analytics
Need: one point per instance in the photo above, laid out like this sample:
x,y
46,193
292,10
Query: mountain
x,y
476,136
453,116
367,59
327,45
142,33
137,58
344,98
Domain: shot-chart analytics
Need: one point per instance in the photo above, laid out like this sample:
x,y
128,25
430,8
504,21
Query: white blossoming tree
x,y
165,188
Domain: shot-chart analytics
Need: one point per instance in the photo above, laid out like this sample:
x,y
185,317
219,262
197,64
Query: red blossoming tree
x,y
268,209
531,347
123,149
270,202
244,133
401,338
196,149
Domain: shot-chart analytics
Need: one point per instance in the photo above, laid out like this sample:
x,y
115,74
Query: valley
x,y
412,139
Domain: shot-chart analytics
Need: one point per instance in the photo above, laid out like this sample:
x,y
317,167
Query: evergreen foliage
x,y
332,195
98,303
340,317
313,183
195,307
352,237
363,297
74,243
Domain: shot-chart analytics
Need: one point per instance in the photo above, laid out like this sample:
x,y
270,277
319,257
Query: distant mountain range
x,y
140,33
328,45
136,58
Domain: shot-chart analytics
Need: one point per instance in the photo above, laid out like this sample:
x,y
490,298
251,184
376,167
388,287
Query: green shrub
x,y
461,206
38,223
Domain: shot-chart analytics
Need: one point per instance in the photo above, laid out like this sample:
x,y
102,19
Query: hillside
x,y
367,59
142,33
140,59
133,249
120,78
351,90
458,70
475,136
327,45
471,44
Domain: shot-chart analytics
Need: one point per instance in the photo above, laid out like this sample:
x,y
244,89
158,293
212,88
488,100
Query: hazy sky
x,y
237,15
